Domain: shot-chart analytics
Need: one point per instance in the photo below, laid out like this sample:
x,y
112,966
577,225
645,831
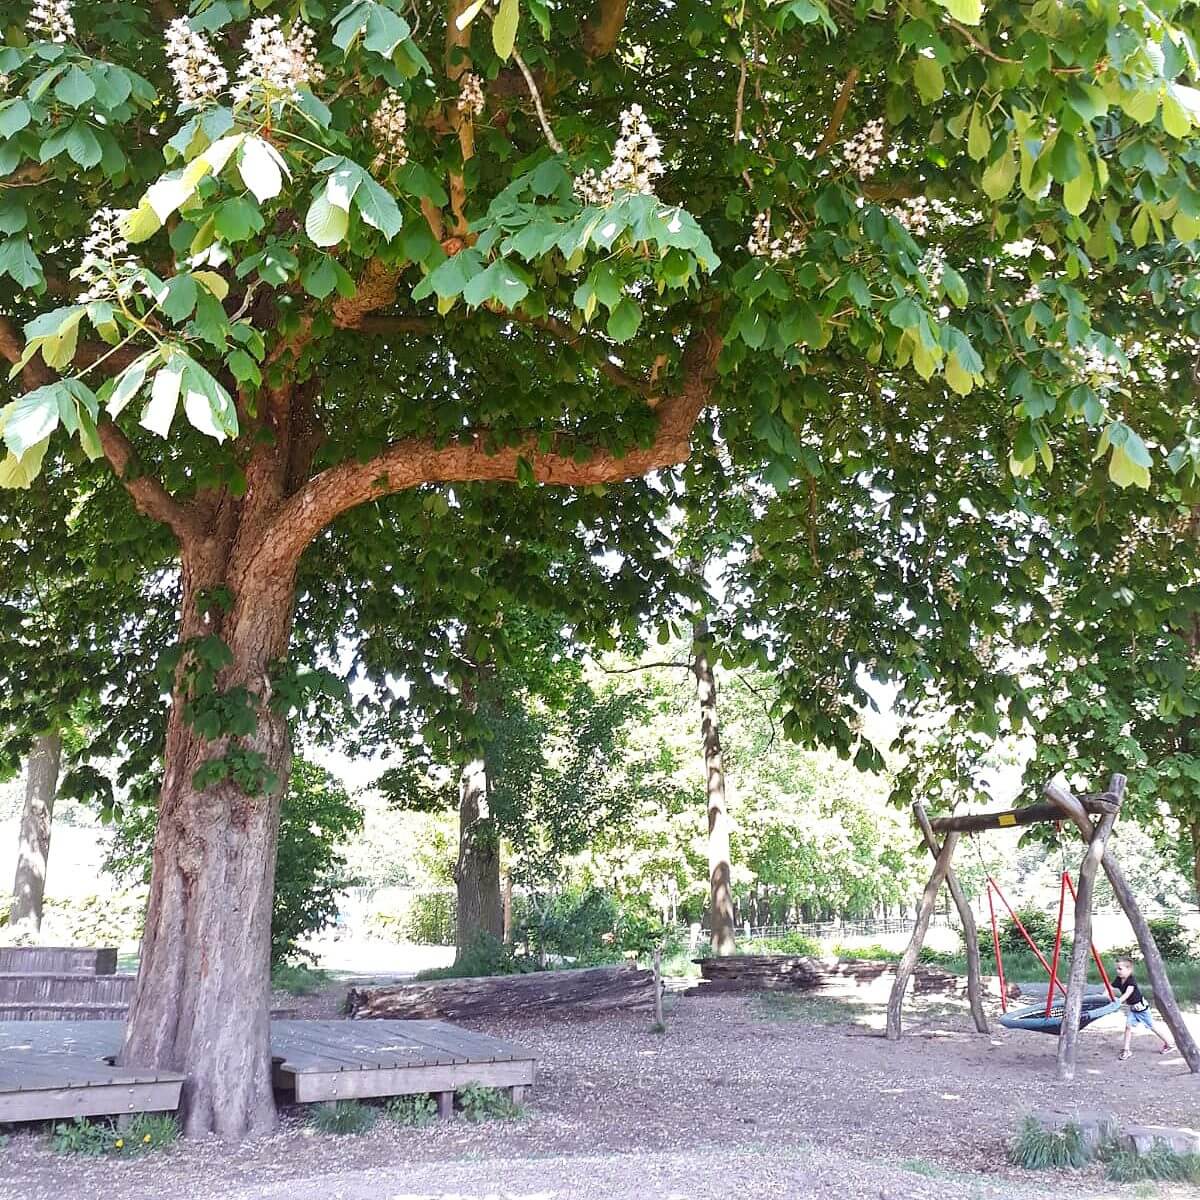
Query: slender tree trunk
x,y
33,849
202,1000
720,886
1195,827
477,872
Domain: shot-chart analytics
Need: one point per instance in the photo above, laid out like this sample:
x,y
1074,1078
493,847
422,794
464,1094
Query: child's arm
x,y
1124,996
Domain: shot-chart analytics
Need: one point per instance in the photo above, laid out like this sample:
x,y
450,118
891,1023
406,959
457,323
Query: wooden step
x,y
58,960
66,989
63,1012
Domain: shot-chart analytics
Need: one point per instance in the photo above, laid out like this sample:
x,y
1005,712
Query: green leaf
x,y
75,87
320,277
504,28
955,287
244,368
624,320
21,472
927,75
969,12
18,261
206,404
129,383
237,219
1000,175
262,168
325,223
164,396
14,116
141,223
385,30
1175,118
82,145
1077,193
979,136
31,418
180,298
378,208
468,14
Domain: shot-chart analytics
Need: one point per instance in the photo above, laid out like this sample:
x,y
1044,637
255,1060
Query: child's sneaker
x,y
1124,1055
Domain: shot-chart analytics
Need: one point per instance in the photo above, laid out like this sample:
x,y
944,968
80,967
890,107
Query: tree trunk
x,y
33,849
1196,859
202,997
720,887
477,872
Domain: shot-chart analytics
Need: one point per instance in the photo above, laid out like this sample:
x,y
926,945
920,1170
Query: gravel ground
x,y
767,1096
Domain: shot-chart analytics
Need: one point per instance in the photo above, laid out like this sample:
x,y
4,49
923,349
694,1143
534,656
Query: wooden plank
x,y
471,1038
67,1102
380,1044
404,1081
467,1046
351,1055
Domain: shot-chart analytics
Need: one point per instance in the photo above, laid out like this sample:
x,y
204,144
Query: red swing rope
x,y
996,949
1062,903
1054,980
1108,987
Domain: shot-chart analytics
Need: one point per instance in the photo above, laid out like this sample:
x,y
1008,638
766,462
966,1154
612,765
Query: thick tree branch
x,y
417,461
150,498
602,30
838,115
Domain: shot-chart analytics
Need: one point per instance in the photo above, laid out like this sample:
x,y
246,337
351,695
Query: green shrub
x,y
143,1132
1039,1149
343,1117
871,953
423,918
1173,940
486,955
788,943
938,958
297,979
479,1103
1161,1164
1041,928
411,1110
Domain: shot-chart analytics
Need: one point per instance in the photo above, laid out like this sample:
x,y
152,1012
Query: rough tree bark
x,y
1195,830
33,846
719,872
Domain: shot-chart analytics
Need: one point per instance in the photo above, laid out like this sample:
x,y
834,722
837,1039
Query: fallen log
x,y
784,972
587,990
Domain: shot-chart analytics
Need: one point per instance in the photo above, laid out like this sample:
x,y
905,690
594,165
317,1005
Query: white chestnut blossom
x,y
106,269
51,20
199,75
863,152
388,124
470,94
763,245
636,163
275,65
933,265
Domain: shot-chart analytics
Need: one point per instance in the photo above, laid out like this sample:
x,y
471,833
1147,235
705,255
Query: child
x,y
1137,1011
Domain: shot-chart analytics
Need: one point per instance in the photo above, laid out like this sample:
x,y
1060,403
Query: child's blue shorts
x,y
1138,1018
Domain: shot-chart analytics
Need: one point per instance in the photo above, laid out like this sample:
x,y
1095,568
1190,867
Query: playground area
x,y
788,1095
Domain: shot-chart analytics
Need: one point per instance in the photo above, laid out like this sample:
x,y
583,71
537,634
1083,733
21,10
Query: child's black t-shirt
x,y
1122,985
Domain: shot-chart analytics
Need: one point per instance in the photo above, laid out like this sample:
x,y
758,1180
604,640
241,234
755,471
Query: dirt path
x,y
762,1096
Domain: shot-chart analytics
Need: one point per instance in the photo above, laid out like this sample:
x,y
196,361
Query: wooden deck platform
x,y
52,1069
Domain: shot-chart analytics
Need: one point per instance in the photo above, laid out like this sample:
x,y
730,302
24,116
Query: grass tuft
x,y
1160,1165
411,1110
342,1117
481,1103
1038,1149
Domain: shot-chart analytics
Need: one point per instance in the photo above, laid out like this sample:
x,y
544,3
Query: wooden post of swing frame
x,y
1164,995
1068,1030
908,963
967,917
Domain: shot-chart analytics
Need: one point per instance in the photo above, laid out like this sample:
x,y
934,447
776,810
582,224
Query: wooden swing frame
x,y
1094,817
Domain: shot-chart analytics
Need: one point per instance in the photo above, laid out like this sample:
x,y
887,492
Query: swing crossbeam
x,y
1029,814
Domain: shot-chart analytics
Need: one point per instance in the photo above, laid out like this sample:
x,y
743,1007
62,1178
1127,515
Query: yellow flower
x,y
145,1139
120,1143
